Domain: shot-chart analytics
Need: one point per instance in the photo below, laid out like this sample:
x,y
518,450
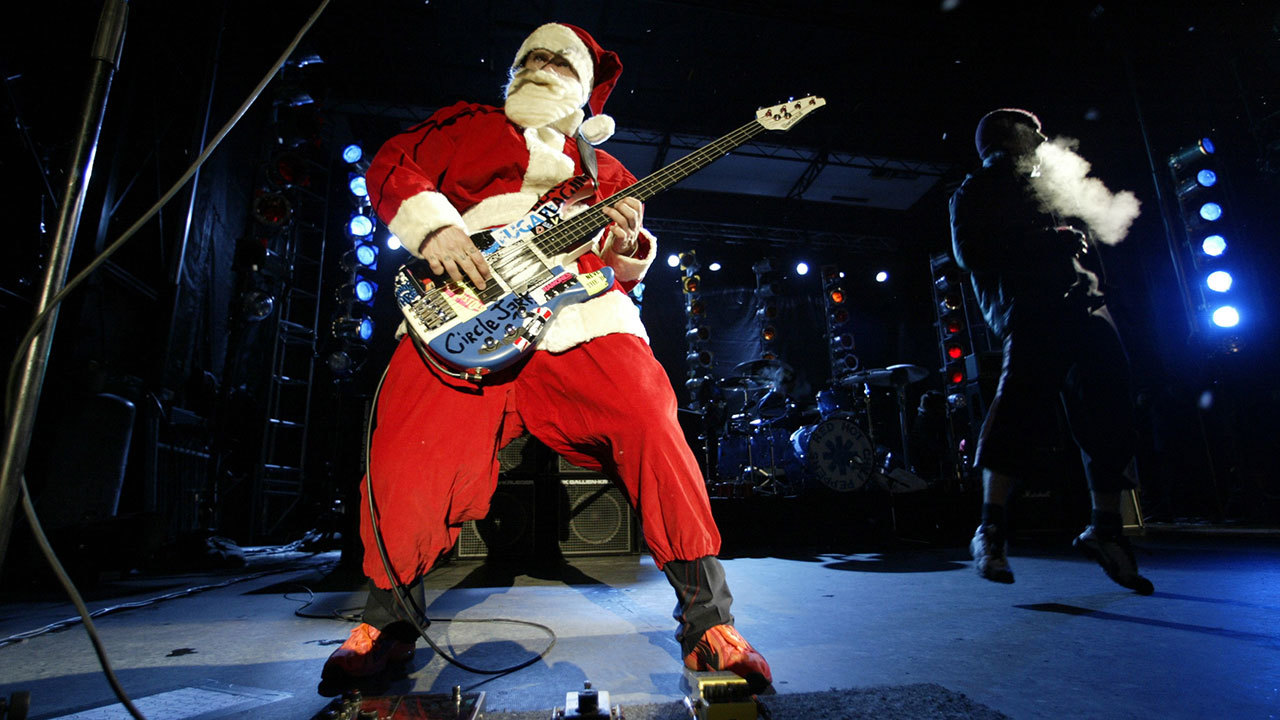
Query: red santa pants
x,y
606,405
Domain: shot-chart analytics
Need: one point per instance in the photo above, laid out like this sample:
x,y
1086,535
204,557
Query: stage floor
x,y
1063,641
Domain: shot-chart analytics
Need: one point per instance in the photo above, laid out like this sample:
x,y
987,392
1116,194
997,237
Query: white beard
x,y
540,97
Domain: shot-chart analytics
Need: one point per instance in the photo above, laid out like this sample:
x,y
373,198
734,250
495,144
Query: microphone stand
x,y
24,395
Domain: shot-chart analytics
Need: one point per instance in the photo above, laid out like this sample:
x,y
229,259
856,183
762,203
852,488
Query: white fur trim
x,y
598,128
612,312
499,210
548,165
421,215
628,268
564,42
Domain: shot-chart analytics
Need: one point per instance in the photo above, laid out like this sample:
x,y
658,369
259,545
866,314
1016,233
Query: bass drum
x,y
767,451
835,453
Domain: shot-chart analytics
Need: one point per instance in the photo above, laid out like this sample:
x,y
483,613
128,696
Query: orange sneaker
x,y
366,652
723,648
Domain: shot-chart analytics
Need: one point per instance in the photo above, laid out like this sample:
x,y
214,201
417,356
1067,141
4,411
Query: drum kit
x,y
765,444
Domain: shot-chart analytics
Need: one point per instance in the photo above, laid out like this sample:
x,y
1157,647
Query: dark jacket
x,y
1023,268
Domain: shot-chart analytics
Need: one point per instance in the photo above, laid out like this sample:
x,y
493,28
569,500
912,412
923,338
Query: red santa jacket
x,y
469,166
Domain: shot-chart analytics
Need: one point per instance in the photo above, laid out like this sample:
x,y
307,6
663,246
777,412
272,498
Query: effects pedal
x,y
587,704
719,696
414,706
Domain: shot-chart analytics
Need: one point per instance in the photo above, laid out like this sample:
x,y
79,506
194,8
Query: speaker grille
x,y
599,520
507,531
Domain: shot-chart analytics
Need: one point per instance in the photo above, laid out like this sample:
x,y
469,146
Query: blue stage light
x,y
367,255
1218,281
360,225
802,268
1206,145
673,260
882,276
358,186
365,290
352,153
1207,177
1226,316
1211,211
1214,245
366,329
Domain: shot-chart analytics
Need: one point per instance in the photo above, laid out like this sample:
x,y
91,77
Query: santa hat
x,y
998,127
598,70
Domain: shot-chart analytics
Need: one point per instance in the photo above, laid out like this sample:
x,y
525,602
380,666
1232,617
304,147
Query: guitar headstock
x,y
784,115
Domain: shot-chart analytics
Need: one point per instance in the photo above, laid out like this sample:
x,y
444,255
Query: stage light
x,y
1207,178
955,373
1191,153
844,340
836,296
344,361
353,328
673,260
1219,281
352,153
1226,316
366,290
951,302
954,351
688,262
882,276
367,255
1211,211
1214,245
359,187
696,308
360,225
393,243
762,266
768,333
257,305
697,334
952,324
699,358
692,283
850,361
768,312
272,209
840,316
714,267
802,268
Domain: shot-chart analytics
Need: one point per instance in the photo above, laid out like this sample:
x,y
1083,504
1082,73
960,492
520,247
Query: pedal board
x,y
719,696
414,706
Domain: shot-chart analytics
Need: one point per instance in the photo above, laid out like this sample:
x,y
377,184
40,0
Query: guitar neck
x,y
576,231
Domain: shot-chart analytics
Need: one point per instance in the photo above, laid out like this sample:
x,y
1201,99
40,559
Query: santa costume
x,y
592,390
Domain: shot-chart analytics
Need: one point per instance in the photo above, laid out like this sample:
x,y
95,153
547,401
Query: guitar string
x,y
514,264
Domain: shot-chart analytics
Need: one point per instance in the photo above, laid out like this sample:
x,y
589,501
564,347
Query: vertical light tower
x,y
1210,265
697,334
840,341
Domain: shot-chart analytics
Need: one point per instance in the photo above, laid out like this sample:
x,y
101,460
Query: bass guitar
x,y
469,333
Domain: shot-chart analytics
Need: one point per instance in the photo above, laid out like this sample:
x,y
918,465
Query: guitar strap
x,y
587,152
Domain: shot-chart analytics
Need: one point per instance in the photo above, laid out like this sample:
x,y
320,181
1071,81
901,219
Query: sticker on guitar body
x,y
492,324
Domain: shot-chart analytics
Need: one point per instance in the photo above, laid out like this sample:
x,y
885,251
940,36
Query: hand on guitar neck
x,y
628,216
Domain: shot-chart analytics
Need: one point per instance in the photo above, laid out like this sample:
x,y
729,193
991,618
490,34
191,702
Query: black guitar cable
x,y
408,607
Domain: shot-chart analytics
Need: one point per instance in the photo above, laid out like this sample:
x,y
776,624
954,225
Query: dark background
x,y
905,84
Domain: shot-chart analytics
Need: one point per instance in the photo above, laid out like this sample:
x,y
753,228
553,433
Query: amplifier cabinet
x,y
596,518
508,530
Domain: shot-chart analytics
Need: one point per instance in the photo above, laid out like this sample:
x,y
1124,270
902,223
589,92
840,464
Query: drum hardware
x,y
896,377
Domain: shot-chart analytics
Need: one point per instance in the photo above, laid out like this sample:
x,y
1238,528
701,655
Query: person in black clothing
x,y
1059,345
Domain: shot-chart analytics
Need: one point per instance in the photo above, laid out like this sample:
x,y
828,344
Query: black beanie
x,y
998,126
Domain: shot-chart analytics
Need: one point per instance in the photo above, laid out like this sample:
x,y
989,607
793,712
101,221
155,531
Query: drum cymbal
x,y
744,384
768,369
911,373
891,376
